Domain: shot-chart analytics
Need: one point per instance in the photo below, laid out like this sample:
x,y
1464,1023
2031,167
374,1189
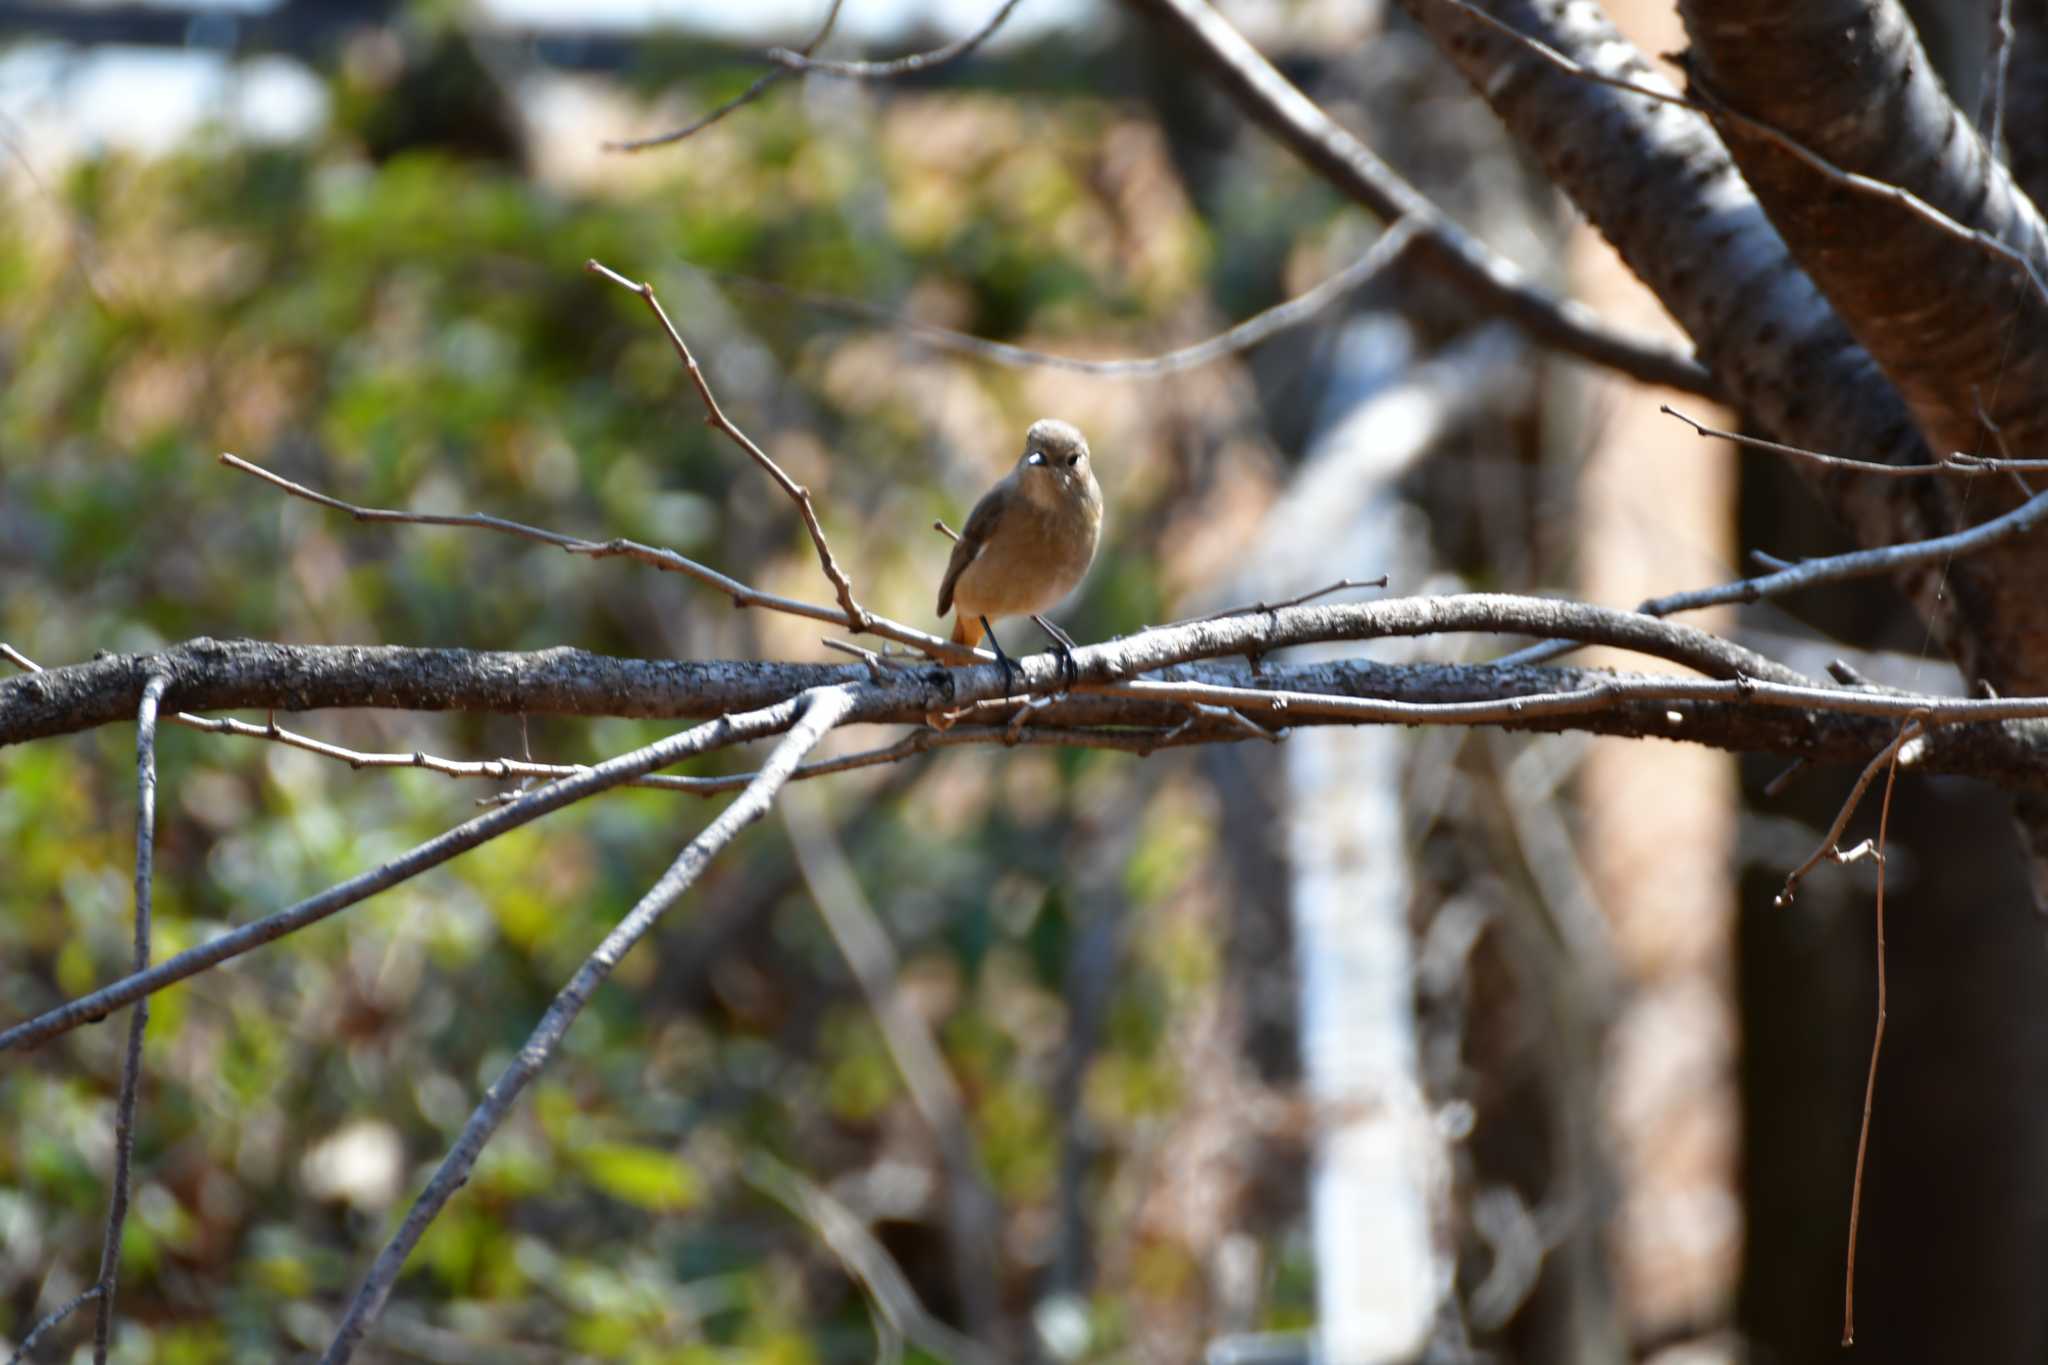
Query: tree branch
x,y
817,712
131,1064
1299,124
531,806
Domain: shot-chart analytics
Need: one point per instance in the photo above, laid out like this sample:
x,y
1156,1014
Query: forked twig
x,y
530,806
1916,723
900,66
818,712
51,1319
742,594
761,86
1884,816
858,619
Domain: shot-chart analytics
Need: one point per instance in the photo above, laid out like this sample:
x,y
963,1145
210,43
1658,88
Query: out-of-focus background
x,y
1239,1042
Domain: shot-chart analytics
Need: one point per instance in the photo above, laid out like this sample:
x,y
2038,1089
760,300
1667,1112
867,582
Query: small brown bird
x,y
1030,539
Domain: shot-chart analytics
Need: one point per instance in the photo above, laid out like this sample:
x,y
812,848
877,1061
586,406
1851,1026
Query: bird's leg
x,y
1009,664
1063,645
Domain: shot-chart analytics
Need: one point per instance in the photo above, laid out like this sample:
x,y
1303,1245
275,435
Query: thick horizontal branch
x,y
214,675
1991,740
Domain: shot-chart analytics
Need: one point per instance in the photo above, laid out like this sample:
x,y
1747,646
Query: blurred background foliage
x,y
393,309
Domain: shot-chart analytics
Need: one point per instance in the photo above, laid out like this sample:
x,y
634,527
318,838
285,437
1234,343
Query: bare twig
x,y
741,594
22,661
1884,817
858,618
51,1319
528,807
973,1216
817,713
1348,165
1254,608
901,66
1130,740
1813,573
760,87
1957,465
866,1260
1915,725
1388,248
131,1064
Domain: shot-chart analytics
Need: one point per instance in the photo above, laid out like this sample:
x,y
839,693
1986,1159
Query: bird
x,y
1028,542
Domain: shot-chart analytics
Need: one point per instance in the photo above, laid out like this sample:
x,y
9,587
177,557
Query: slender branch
x,y
760,87
1332,152
131,1064
1387,249
1884,820
1957,465
858,618
1842,568
1887,760
901,66
1874,468
742,594
867,1260
51,1319
817,713
529,807
510,769
1254,608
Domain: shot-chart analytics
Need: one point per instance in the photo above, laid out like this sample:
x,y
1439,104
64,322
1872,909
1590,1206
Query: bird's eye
x,y
1073,460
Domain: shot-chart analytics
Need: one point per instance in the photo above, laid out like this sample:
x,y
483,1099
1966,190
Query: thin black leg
x,y
1063,645
1009,664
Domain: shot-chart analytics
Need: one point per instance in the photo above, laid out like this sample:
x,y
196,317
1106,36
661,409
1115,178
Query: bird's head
x,y
1057,451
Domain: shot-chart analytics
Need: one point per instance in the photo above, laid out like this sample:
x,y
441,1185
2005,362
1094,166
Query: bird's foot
x,y
1063,645
1008,664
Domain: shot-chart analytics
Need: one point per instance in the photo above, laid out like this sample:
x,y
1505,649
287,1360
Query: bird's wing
x,y
973,540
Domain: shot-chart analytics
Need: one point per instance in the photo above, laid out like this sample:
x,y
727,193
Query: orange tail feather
x,y
966,630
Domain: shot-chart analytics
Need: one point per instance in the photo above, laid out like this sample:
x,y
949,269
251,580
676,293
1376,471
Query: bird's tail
x,y
966,629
